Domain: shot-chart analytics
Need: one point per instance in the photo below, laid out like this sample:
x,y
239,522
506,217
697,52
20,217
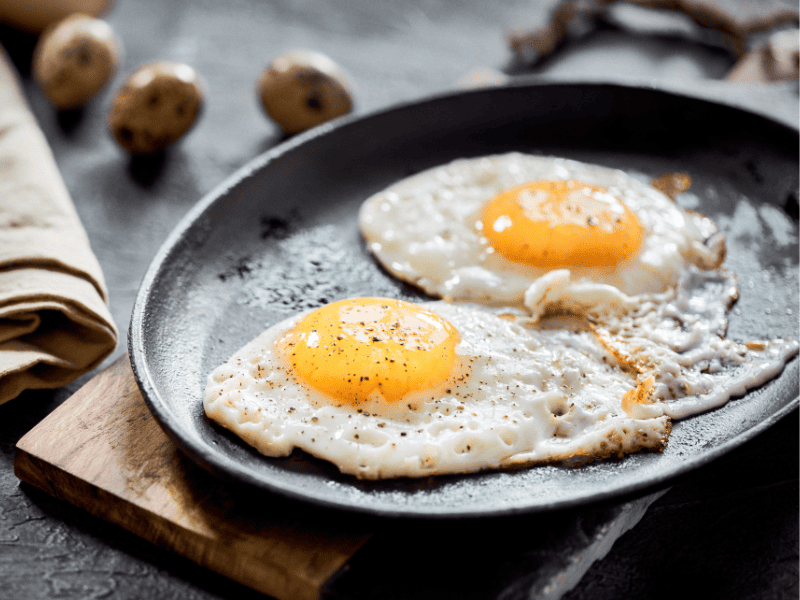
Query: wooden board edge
x,y
158,531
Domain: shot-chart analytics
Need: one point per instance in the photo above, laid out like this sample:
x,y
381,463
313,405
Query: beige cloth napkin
x,y
54,320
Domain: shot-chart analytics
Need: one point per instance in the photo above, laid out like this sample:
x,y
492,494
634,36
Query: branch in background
x,y
777,59
569,14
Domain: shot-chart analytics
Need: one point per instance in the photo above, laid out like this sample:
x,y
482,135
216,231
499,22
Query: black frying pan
x,y
281,236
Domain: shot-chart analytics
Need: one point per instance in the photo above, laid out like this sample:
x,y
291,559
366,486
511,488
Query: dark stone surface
x,y
730,531
732,528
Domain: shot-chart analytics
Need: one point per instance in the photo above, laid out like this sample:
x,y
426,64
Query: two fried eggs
x,y
493,375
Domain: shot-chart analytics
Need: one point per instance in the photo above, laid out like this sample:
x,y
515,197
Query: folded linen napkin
x,y
54,321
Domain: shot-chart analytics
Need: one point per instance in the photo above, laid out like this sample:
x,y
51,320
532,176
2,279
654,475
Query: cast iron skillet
x,y
281,235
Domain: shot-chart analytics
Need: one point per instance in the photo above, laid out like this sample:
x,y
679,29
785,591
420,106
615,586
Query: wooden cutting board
x,y
103,451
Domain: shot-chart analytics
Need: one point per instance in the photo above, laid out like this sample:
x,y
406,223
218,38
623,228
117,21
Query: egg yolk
x,y
353,348
561,224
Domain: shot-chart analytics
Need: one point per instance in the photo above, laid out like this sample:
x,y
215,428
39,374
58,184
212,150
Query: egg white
x,y
519,395
423,230
678,338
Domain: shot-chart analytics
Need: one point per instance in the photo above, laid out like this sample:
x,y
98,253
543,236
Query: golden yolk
x,y
352,348
561,224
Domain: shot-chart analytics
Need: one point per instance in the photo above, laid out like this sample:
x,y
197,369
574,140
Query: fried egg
x,y
385,388
486,229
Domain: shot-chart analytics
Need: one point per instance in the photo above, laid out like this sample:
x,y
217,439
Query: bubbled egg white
x,y
515,395
428,230
677,338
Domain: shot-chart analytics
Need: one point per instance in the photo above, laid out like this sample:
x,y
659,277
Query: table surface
x,y
728,531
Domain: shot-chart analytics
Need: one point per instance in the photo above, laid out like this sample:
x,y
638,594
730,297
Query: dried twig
x,y
569,14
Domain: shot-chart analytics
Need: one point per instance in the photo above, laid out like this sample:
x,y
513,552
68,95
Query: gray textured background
x,y
731,531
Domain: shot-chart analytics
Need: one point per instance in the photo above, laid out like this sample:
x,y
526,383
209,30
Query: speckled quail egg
x,y
157,105
75,59
303,89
